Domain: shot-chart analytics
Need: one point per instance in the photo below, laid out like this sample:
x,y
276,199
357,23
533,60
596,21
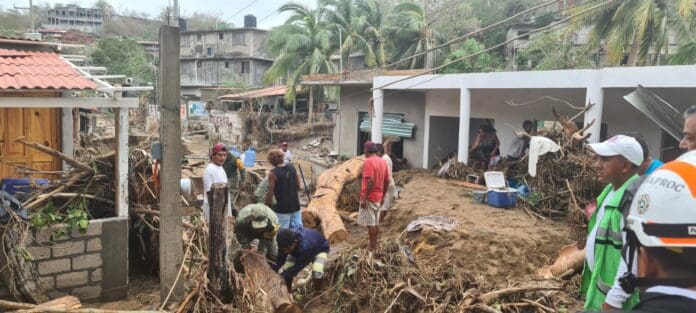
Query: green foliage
x,y
410,33
303,46
75,217
125,57
480,63
13,22
553,51
203,21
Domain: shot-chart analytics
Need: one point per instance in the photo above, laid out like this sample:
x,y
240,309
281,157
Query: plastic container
x,y
504,199
186,186
249,157
234,151
478,196
21,185
494,180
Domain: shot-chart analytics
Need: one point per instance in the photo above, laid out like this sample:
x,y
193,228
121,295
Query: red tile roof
x,y
32,70
258,93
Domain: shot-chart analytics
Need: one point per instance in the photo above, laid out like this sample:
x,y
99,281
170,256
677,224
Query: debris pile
x,y
393,281
263,128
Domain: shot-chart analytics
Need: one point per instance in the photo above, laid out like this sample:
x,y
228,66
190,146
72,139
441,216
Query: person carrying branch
x,y
297,248
236,174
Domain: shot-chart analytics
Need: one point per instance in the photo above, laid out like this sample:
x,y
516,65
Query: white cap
x,y
625,146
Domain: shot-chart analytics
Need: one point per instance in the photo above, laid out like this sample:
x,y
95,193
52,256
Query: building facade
x,y
212,58
71,16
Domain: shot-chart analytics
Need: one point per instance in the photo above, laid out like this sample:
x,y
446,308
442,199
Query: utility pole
x,y
337,129
31,14
171,250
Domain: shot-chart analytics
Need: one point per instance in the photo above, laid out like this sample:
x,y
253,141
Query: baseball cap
x,y
258,217
625,146
367,145
217,148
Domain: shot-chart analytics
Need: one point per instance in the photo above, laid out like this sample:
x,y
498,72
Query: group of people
x,y
272,226
642,234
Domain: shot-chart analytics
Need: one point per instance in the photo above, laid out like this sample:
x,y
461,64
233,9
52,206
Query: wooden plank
x,y
91,102
171,250
462,184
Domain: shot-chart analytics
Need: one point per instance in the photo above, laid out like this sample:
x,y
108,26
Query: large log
x,y
217,266
570,259
321,211
268,286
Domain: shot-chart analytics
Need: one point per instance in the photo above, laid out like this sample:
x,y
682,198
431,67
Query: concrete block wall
x,y
93,265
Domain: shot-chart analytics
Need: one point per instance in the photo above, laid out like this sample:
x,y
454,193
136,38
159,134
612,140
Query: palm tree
x,y
411,33
638,27
343,16
303,46
372,23
683,23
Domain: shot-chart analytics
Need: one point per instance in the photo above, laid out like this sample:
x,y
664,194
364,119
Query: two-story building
x,y
213,58
71,16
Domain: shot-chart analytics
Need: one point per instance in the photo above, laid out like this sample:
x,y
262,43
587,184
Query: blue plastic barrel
x,y
21,185
234,151
249,157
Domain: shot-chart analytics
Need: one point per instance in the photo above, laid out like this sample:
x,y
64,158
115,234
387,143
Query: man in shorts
x,y
375,182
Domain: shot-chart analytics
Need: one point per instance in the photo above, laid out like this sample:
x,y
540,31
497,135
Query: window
x,y
245,67
221,36
199,37
210,51
523,33
199,64
227,64
238,39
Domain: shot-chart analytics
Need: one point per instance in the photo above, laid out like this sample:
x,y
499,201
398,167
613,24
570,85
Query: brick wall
x,y
93,265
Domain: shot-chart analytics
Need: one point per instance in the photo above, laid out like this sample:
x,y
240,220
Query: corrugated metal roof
x,y
258,93
392,125
32,70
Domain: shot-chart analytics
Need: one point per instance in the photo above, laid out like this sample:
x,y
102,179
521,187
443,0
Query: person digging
x,y
256,228
297,247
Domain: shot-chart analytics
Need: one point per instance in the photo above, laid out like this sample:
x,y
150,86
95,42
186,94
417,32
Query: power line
x,y
242,10
496,46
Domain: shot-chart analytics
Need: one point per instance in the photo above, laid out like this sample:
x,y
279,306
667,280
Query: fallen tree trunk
x,y
322,210
570,258
270,286
72,162
18,273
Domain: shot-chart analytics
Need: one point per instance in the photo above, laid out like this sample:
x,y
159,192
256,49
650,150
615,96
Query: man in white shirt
x,y
288,154
214,173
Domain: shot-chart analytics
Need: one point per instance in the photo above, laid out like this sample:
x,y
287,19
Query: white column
x,y
594,95
67,140
378,107
464,117
121,116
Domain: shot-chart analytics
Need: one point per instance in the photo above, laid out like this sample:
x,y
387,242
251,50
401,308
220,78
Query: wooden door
x,y
39,125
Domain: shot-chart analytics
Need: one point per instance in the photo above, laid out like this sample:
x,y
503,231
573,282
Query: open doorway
x,y
397,143
443,139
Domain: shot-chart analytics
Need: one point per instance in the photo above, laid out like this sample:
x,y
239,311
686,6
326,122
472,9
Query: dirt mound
x,y
495,244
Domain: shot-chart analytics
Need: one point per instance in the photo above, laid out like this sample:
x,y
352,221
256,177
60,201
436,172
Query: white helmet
x,y
663,212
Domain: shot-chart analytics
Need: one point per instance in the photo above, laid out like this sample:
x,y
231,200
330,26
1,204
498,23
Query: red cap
x,y
367,145
217,148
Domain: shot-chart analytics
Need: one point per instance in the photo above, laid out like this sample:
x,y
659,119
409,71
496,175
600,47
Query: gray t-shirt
x,y
518,146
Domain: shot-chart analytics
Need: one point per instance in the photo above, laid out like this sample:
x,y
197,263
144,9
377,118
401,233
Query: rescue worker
x,y
236,174
257,222
297,247
661,239
618,160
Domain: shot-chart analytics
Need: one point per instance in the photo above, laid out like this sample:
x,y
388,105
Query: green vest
x,y
607,251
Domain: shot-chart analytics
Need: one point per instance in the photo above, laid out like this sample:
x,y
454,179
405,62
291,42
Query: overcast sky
x,y
265,10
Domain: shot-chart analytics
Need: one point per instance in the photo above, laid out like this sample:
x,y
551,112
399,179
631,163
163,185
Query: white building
x,y
447,109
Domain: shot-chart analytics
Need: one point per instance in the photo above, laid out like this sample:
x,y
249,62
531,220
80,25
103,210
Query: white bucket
x,y
185,186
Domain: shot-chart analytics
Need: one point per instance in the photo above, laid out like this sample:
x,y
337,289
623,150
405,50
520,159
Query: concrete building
x,y
211,58
71,16
447,109
38,90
